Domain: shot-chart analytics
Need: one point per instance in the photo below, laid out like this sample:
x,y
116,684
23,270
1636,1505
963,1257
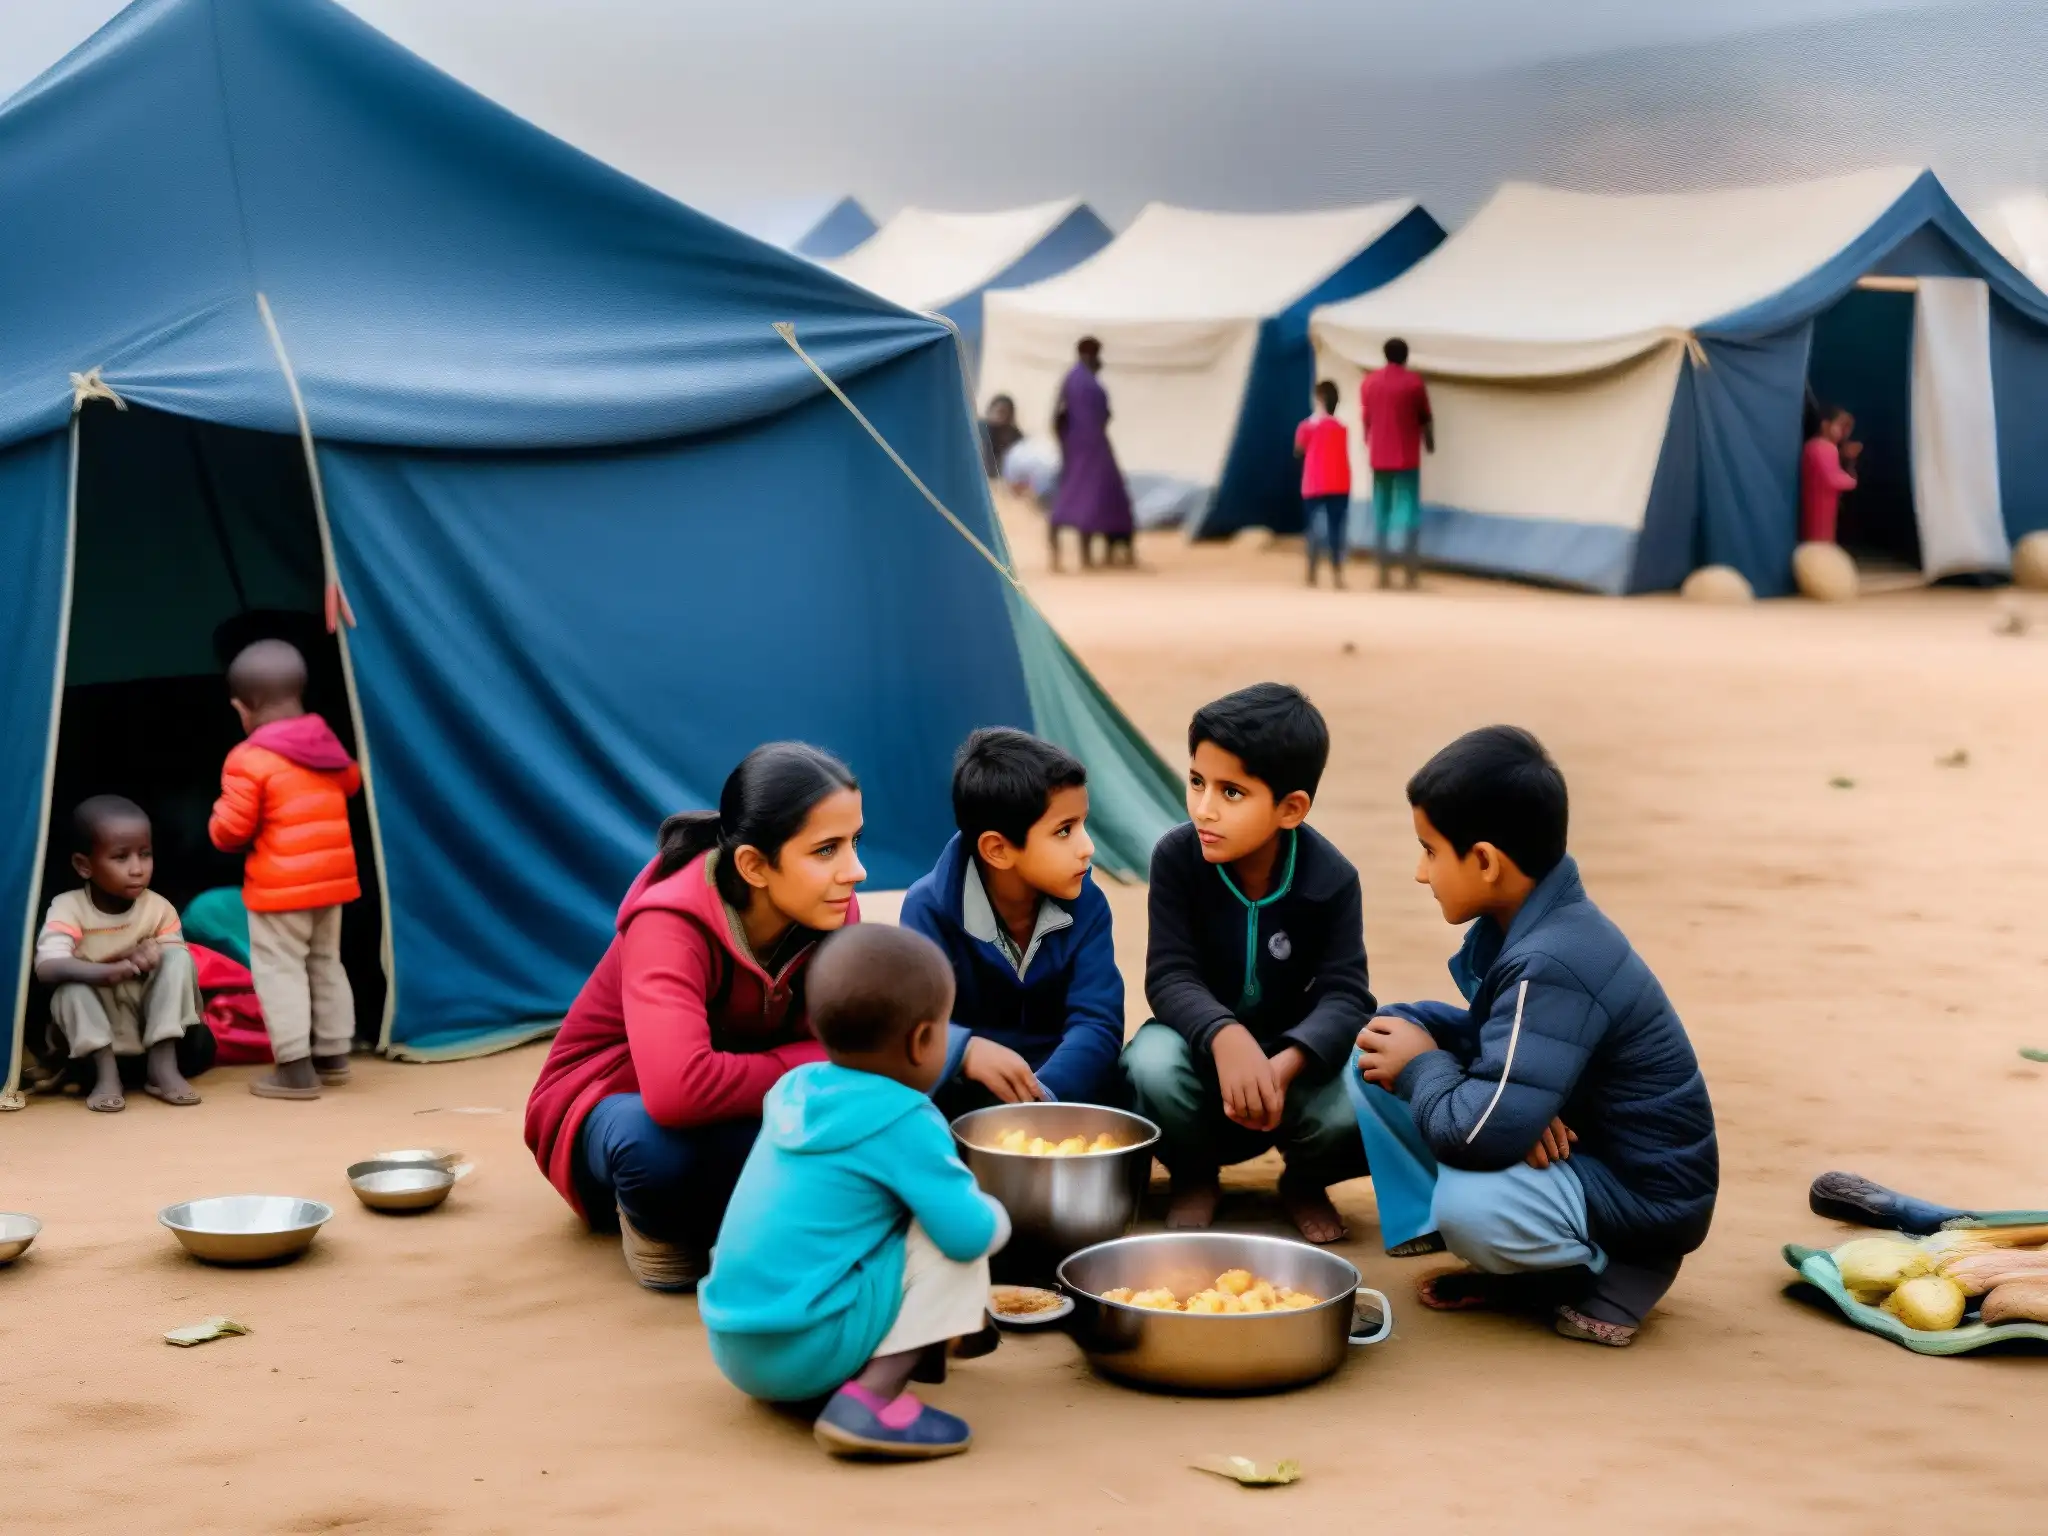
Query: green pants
x,y
1178,1092
1396,502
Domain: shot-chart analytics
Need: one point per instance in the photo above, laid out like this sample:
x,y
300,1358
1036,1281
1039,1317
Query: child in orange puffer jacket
x,y
284,797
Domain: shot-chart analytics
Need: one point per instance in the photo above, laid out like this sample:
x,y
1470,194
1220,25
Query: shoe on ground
x,y
857,1423
1571,1323
659,1266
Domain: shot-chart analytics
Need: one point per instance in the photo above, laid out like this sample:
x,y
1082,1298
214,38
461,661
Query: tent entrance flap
x,y
1955,432
193,540
1862,362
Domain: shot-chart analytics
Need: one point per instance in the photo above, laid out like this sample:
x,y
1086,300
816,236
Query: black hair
x,y
1498,786
268,672
764,803
996,400
1002,780
871,984
1273,730
1395,351
94,816
1326,394
1087,346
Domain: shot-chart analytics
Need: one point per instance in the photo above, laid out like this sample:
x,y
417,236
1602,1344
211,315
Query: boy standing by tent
x,y
284,796
1254,967
1038,1003
1324,448
1393,408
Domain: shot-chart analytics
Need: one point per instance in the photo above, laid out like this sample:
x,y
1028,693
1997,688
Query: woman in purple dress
x,y
1092,497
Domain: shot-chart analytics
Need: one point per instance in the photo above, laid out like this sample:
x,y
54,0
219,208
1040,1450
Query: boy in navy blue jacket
x,y
1254,967
1555,1132
1038,1007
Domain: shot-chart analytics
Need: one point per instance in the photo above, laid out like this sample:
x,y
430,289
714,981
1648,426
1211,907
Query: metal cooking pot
x,y
1200,1352
1059,1204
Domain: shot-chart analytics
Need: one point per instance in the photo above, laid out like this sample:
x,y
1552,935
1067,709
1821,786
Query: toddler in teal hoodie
x,y
856,1244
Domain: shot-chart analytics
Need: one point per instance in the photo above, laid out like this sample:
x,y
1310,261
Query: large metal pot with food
x,y
1128,1295
1070,1175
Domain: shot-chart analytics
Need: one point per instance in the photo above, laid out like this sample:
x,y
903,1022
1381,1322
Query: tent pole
x,y
342,623
10,1096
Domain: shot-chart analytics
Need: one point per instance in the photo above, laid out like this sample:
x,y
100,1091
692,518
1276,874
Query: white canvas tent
x,y
1618,381
1203,323
2018,226
943,262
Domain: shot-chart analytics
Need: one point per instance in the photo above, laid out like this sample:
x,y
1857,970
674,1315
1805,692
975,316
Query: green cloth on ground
x,y
1816,1266
1318,1134
217,920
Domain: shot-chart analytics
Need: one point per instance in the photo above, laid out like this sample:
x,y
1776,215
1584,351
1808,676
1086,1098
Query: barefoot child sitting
x,y
116,955
856,1243
284,796
1554,1132
1038,1003
1254,967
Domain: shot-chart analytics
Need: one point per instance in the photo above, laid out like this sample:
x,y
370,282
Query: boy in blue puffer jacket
x,y
1555,1133
1038,1003
856,1243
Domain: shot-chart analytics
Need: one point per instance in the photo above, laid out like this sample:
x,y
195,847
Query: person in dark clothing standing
x,y
1555,1132
1254,968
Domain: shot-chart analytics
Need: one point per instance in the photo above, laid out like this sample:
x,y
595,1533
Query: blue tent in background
x,y
1619,382
601,528
818,227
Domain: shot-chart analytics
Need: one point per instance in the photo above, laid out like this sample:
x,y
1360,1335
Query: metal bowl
x,y
1200,1352
17,1231
246,1229
384,1186
1059,1204
434,1157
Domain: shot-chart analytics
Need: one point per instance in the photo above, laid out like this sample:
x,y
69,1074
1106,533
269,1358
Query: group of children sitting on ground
x,y
1552,1130
123,984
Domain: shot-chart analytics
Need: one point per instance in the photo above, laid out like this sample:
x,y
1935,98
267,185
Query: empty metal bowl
x,y
17,1231
1231,1352
386,1186
246,1229
1059,1204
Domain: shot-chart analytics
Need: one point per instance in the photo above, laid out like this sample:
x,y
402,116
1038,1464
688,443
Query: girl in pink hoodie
x,y
651,1094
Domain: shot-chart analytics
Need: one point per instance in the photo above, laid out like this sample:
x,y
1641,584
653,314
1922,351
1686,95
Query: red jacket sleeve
x,y
239,808
668,971
351,778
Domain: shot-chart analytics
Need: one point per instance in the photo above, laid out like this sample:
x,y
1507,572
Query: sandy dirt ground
x,y
1858,966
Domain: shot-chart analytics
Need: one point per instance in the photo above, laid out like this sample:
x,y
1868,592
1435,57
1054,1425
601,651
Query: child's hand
x,y
1251,1095
146,957
1389,1042
1001,1071
123,969
1553,1146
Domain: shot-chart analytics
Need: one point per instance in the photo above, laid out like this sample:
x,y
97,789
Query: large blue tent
x,y
602,529
817,227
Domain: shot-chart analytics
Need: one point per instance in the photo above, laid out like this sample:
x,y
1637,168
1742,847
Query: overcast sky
x,y
975,102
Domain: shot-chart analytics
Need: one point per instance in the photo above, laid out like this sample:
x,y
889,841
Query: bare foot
x,y
163,1080
1192,1202
106,1096
1308,1205
289,1080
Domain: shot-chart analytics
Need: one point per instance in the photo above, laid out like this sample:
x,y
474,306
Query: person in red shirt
x,y
1324,449
1393,407
650,1098
1824,473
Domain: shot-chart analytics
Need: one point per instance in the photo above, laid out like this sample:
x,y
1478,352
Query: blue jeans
x,y
1509,1222
672,1183
1324,521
